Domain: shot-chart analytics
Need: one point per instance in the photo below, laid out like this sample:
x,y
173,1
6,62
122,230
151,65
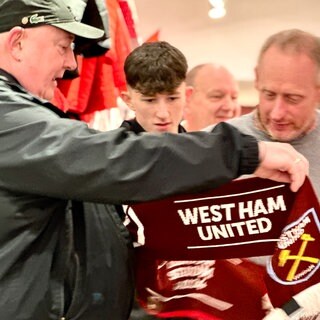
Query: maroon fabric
x,y
174,280
241,219
296,261
221,289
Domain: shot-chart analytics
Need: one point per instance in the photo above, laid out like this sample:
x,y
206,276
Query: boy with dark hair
x,y
155,74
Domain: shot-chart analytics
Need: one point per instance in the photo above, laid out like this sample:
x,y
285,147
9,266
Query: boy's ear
x,y
126,97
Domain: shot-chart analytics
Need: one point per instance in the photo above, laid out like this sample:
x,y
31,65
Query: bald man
x,y
214,97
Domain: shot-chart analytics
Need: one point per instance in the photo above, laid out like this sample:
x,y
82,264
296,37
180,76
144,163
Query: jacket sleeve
x,y
45,155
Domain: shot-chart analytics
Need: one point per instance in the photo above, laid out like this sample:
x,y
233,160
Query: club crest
x,y
297,256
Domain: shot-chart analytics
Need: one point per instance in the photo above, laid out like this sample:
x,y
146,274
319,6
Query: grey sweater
x,y
308,145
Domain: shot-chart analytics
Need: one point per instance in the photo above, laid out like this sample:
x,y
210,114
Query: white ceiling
x,y
233,40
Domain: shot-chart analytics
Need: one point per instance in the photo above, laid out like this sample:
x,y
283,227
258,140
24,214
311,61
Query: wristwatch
x,y
292,308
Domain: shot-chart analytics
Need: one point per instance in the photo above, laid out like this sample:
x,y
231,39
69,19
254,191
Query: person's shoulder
x,y
317,128
244,123
245,119
18,106
240,122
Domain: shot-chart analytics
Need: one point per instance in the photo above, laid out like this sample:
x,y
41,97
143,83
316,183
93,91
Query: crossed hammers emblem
x,y
284,256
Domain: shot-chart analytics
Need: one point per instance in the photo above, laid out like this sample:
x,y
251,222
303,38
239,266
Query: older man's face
x,y
45,55
289,93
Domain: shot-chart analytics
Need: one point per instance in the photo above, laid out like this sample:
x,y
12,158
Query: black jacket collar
x,y
133,125
13,82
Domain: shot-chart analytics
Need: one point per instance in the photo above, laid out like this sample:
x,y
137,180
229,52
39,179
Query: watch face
x,y
290,307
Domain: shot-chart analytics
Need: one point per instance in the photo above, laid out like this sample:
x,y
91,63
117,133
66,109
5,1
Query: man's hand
x,y
276,314
305,304
281,162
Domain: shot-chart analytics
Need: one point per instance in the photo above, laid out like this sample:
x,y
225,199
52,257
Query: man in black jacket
x,y
62,253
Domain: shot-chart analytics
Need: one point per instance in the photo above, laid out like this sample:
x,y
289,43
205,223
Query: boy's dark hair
x,y
155,67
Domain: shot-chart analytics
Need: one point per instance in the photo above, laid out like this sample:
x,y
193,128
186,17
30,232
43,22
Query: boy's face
x,y
161,112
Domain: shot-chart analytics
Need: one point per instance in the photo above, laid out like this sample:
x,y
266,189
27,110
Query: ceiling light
x,y
217,13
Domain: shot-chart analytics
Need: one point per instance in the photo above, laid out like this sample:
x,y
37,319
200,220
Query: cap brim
x,y
80,29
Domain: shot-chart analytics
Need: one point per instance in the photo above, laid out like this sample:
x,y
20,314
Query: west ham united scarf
x,y
192,249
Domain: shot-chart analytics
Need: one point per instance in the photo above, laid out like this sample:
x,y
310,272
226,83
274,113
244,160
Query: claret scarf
x,y
192,249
